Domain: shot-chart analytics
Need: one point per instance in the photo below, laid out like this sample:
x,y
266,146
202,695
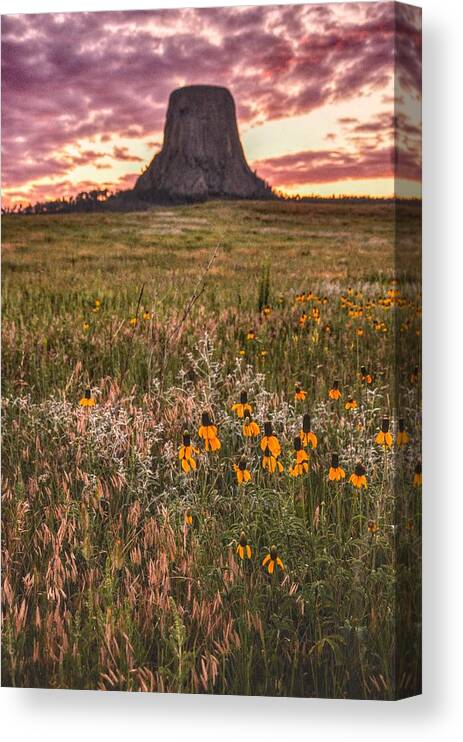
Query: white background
x,y
62,715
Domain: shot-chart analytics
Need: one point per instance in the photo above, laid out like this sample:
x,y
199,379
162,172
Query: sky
x,y
327,96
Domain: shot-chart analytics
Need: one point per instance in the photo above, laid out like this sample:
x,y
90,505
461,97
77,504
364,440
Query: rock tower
x,y
202,156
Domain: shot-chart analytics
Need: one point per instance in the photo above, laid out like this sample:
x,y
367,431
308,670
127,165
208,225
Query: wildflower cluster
x,y
181,487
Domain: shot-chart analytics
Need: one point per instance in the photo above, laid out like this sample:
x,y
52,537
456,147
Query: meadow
x,y
135,559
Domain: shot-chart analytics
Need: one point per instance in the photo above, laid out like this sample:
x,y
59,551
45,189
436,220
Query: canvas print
x,y
211,366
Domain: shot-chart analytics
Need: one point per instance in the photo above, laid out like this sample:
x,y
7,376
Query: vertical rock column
x,y
202,156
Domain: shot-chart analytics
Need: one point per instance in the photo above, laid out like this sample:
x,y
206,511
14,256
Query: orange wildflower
x,y
185,453
402,436
302,459
208,432
270,462
418,475
334,392
306,435
243,549
269,440
243,405
365,376
384,437
358,478
272,560
250,427
242,474
351,404
299,394
87,400
336,472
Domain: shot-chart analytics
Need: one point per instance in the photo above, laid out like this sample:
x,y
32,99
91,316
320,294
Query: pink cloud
x,y
327,166
122,153
106,75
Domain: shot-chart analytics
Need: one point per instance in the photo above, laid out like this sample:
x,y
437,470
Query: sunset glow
x,y
85,95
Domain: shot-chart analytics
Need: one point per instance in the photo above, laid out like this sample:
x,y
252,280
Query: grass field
x,y
122,571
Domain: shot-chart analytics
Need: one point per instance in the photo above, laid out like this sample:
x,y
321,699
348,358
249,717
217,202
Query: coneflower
x,y
358,479
270,440
365,376
306,435
384,437
243,475
299,393
402,436
185,453
334,392
272,560
243,405
208,432
418,475
250,427
351,404
270,462
243,549
87,400
301,465
336,472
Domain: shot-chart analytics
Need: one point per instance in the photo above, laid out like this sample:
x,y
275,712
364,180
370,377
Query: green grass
x,y
104,584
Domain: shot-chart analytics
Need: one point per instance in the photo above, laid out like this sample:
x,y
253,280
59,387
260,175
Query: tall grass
x,y
106,584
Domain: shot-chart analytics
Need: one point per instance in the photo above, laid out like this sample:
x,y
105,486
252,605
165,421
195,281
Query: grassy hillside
x,y
120,569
